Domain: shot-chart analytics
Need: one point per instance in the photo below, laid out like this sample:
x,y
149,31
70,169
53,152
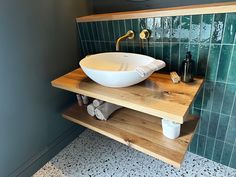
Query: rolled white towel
x,y
105,110
91,109
80,101
97,103
151,67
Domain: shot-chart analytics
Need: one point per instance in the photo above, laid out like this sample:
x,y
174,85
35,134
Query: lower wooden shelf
x,y
138,130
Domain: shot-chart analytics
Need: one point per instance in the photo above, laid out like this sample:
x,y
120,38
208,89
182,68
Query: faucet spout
x,y
129,35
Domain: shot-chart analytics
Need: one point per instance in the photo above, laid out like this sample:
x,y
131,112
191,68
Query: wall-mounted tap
x,y
129,35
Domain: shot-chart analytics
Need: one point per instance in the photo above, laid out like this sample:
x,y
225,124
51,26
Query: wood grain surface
x,y
223,7
140,131
156,96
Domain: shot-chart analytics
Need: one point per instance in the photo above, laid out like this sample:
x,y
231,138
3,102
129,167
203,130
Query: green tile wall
x,y
211,39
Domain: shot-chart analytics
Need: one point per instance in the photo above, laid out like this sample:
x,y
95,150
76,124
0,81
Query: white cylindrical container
x,y
170,129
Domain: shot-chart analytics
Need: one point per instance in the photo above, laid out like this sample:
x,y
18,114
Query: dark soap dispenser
x,y
187,68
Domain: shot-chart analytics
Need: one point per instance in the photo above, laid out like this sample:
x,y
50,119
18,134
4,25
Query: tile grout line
x,y
109,35
210,116
99,42
179,45
223,91
205,136
131,22
80,38
93,34
231,57
230,117
87,50
190,30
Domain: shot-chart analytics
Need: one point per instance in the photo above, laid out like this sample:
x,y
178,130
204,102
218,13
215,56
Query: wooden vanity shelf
x,y
138,130
156,96
138,125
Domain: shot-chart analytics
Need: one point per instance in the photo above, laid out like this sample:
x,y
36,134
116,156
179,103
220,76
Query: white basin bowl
x,y
115,69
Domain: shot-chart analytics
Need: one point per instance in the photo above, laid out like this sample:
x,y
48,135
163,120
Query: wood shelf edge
x,y
110,129
222,7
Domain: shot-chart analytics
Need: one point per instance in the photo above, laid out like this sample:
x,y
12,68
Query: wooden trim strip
x,y
225,7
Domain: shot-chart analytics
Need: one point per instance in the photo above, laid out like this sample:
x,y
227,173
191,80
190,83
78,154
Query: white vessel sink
x,y
117,69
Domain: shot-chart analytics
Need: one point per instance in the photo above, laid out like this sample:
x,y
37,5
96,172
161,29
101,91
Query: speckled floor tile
x,y
92,154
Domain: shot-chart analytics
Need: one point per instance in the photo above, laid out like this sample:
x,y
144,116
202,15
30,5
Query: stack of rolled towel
x,y
102,110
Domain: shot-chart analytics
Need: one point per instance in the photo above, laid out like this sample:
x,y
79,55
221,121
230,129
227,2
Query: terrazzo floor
x,y
95,155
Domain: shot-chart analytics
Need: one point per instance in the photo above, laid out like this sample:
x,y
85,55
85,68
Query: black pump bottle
x,y
187,68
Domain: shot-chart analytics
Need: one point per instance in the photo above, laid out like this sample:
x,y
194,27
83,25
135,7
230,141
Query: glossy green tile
x,y
218,28
194,144
184,48
136,29
223,124
227,152
86,32
198,101
194,48
105,31
195,28
204,121
218,97
196,112
142,24
110,31
213,124
232,70
209,147
99,29
225,57
166,22
233,159
176,29
201,145
166,55
212,64
206,28
122,29
231,131
96,46
185,28
158,51
228,99
151,51
175,57
202,60
208,96
234,106
157,30
116,28
218,148
230,29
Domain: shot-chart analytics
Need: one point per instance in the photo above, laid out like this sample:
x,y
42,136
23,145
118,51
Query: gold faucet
x,y
129,35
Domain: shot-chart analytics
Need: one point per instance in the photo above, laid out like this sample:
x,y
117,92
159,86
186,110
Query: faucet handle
x,y
130,34
144,34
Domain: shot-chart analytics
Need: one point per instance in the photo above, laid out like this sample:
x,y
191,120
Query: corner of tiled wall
x,y
211,39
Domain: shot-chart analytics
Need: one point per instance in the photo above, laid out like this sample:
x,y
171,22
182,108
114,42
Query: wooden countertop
x,y
156,96
223,7
139,131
